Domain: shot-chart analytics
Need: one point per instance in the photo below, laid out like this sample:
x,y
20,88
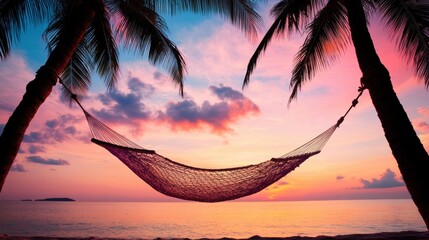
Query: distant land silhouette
x,y
57,199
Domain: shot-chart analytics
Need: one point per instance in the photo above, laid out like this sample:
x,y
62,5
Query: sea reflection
x,y
207,220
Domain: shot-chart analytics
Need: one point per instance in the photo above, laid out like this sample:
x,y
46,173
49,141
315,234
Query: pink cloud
x,y
126,108
423,111
422,126
15,74
129,106
55,130
18,167
387,180
188,115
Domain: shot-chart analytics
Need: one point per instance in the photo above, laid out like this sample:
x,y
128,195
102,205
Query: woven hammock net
x,y
198,184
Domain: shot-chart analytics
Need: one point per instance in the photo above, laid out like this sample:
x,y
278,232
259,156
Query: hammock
x,y
198,184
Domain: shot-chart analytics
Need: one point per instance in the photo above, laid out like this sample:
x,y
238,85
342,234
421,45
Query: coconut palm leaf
x,y
142,29
15,14
289,15
327,38
103,46
51,33
369,7
4,42
97,49
241,13
77,75
302,12
409,24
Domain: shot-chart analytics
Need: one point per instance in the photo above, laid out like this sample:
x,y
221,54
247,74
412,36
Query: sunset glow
x,y
216,124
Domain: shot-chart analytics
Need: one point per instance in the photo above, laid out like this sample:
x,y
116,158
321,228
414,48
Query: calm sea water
x,y
200,220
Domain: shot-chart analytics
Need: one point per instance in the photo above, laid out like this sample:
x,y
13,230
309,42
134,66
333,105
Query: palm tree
x,y
83,35
339,22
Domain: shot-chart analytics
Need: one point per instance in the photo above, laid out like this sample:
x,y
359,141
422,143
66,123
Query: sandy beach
x,y
405,235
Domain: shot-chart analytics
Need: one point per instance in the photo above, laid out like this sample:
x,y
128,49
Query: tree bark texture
x,y
406,147
41,87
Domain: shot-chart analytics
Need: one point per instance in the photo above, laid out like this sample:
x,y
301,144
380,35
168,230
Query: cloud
x,y
423,111
52,123
1,127
423,126
276,189
278,185
227,93
34,149
188,115
339,177
41,160
55,130
15,74
387,180
34,137
159,77
17,167
135,85
120,107
421,123
6,107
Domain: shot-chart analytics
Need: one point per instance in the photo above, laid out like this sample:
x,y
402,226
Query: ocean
x,y
207,220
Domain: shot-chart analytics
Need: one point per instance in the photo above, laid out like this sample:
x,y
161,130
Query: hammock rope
x,y
199,184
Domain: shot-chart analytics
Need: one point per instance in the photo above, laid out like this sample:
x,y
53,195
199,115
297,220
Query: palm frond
x,y
142,29
409,24
77,76
242,13
290,16
326,39
369,8
57,22
15,15
300,13
103,47
4,42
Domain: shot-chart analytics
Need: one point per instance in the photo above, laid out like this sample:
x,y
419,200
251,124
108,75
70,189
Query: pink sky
x,y
216,125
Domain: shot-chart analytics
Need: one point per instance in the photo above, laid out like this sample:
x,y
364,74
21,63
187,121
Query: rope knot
x,y
341,120
72,94
354,103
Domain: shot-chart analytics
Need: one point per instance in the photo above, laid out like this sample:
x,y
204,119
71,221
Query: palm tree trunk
x,y
412,159
41,87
